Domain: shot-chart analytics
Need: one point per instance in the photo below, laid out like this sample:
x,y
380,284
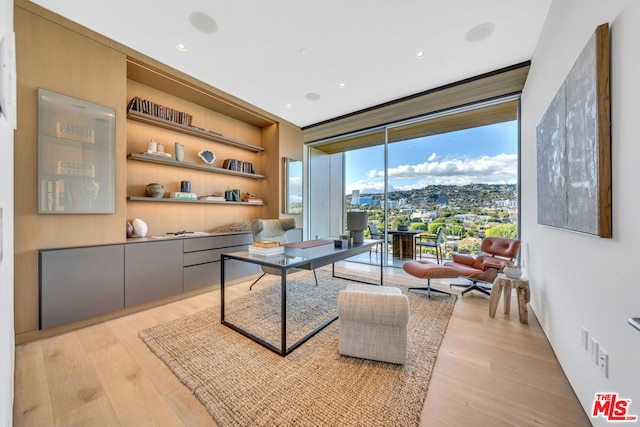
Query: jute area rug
x,y
243,384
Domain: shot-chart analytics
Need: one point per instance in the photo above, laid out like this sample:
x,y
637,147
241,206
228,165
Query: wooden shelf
x,y
168,200
189,130
172,162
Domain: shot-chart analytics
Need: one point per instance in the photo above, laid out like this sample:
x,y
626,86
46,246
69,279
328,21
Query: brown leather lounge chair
x,y
497,252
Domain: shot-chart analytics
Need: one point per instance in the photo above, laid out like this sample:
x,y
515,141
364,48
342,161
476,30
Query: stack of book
x,y
183,196
266,249
212,197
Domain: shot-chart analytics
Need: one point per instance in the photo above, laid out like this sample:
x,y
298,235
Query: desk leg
x,y
283,314
507,297
222,289
523,299
494,298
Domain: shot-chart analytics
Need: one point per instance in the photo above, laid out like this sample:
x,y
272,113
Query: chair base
x,y
429,289
474,286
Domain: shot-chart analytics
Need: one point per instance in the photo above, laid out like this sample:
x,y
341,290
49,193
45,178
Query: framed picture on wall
x,y
76,155
574,146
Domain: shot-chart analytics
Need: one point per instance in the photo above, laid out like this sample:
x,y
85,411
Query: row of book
x,y
160,111
60,195
75,133
238,166
76,169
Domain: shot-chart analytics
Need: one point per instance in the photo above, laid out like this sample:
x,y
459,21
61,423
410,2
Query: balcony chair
x,y
431,241
377,235
273,230
497,252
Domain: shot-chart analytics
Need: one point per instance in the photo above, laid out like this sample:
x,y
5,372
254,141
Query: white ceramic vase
x,y
179,151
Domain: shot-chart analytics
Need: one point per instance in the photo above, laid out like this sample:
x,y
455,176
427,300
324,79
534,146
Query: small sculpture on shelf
x,y
139,228
207,156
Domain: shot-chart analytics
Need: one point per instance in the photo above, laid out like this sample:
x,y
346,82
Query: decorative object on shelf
x,y
512,271
155,190
179,151
152,146
238,166
357,222
160,148
207,156
139,228
185,186
232,195
251,198
129,229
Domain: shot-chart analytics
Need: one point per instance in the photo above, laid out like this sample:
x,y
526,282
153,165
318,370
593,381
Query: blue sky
x,y
486,154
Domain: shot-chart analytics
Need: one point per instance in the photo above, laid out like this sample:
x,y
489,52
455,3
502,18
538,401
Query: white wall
x,y
578,280
7,344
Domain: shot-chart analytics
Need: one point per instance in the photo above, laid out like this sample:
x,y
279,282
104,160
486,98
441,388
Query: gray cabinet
x,y
202,260
79,283
83,282
153,271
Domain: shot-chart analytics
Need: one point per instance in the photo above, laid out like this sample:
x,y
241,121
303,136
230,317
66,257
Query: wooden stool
x,y
429,270
522,289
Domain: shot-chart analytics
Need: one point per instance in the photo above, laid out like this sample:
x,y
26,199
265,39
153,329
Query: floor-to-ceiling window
x,y
457,170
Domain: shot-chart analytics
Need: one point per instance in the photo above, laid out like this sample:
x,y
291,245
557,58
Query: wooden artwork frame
x,y
574,146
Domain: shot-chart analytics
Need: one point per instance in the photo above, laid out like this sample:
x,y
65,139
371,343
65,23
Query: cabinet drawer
x,y
203,243
201,276
195,244
201,257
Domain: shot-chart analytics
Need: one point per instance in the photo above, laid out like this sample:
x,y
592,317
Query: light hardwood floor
x,y
489,372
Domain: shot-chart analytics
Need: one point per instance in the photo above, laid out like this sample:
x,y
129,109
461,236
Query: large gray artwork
x,y
574,146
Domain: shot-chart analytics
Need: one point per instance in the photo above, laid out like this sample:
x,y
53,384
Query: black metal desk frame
x,y
294,258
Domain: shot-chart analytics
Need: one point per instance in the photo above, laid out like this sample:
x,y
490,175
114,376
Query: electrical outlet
x,y
585,339
595,351
604,362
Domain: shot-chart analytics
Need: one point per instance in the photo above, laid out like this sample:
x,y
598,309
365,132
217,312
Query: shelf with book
x,y
200,201
142,157
76,155
190,130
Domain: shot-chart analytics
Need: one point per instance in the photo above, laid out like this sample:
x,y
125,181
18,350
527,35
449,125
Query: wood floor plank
x,y
70,372
32,400
136,401
97,412
188,408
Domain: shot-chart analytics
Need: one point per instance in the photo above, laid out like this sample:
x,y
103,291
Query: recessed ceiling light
x,y
181,47
203,22
289,106
420,55
480,32
312,96
342,85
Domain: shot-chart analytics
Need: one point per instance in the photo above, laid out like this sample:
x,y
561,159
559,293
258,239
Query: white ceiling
x,y
272,53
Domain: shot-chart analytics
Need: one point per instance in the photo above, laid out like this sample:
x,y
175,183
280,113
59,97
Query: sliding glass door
x,y
457,170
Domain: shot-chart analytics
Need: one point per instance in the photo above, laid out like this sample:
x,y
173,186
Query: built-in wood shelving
x,y
187,165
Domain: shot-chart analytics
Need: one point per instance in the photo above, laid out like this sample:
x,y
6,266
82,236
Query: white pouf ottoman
x,y
373,323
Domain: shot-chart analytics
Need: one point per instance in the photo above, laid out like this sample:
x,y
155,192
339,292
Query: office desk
x,y
308,258
404,242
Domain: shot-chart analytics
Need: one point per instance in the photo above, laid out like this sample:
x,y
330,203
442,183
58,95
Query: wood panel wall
x,y
61,56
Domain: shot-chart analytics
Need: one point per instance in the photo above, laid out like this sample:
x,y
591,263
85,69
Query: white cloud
x,y
499,169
